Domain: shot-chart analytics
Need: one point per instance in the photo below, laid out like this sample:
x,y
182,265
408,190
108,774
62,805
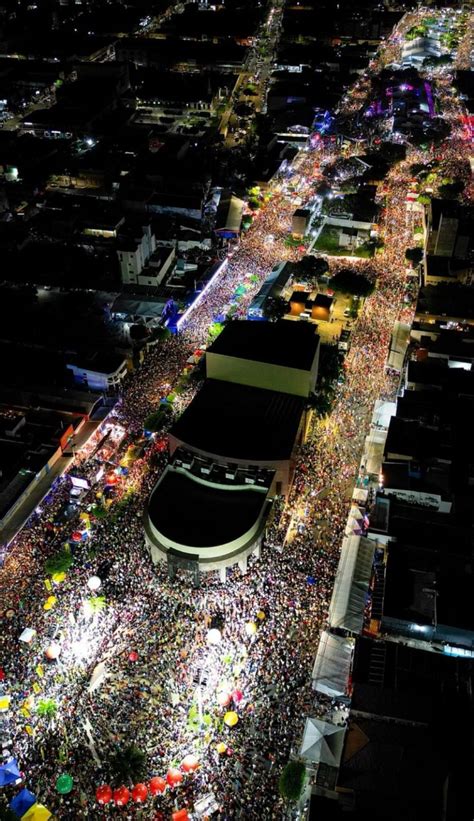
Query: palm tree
x,y
128,764
94,605
47,708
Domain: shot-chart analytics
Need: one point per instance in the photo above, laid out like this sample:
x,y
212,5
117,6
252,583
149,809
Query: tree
x,y
275,308
59,563
47,708
414,255
311,268
155,421
128,764
292,780
451,189
95,605
349,282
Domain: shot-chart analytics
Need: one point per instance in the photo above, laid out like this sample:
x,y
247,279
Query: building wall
x,y
261,374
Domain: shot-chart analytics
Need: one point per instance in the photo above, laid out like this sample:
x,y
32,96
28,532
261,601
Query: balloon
x,y
103,794
121,796
140,793
53,651
223,698
221,747
76,536
260,615
174,777
237,695
64,784
214,636
231,718
58,577
180,815
157,785
133,656
250,628
189,764
94,583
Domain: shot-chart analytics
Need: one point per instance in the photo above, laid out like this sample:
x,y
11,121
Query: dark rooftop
x,y
411,573
203,515
289,344
241,422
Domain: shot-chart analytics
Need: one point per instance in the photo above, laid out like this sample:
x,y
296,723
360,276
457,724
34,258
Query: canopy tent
x,y
360,494
229,216
9,772
38,812
383,412
351,586
132,306
22,802
322,742
332,664
27,635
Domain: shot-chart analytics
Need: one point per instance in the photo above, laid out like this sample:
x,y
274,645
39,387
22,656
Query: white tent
x,y
352,584
322,742
27,635
332,664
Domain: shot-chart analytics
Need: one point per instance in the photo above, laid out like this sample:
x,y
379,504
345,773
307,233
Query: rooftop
x,y
288,344
200,514
412,573
241,422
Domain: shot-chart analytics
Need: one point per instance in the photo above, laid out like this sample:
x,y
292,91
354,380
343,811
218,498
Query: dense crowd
x,y
141,668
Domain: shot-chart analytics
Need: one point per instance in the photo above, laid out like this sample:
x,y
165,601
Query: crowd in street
x,y
160,683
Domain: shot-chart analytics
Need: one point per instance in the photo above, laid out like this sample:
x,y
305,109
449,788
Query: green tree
x,y
59,562
95,605
275,308
128,764
292,780
47,708
350,282
414,255
155,420
311,268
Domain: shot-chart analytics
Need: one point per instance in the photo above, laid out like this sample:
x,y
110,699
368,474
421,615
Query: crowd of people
x,y
139,668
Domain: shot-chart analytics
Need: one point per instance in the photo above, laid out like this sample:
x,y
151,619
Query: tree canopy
x,y
349,282
292,780
414,255
59,563
128,764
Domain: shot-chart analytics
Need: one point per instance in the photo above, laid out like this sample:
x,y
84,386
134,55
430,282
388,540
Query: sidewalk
x,y
31,502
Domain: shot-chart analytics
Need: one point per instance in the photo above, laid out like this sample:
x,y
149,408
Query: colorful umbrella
x,y
231,718
140,793
121,796
157,785
103,794
22,802
64,783
38,812
9,772
189,764
174,777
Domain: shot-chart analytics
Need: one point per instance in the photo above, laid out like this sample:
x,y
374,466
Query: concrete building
x,y
245,427
281,356
202,516
134,252
100,372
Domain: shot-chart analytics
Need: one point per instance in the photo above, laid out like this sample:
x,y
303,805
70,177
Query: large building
x,y
281,356
202,516
233,448
244,426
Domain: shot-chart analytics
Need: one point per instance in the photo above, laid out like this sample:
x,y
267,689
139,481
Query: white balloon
x,y
94,583
214,636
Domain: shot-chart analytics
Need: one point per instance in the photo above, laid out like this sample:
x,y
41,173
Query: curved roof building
x,y
206,517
